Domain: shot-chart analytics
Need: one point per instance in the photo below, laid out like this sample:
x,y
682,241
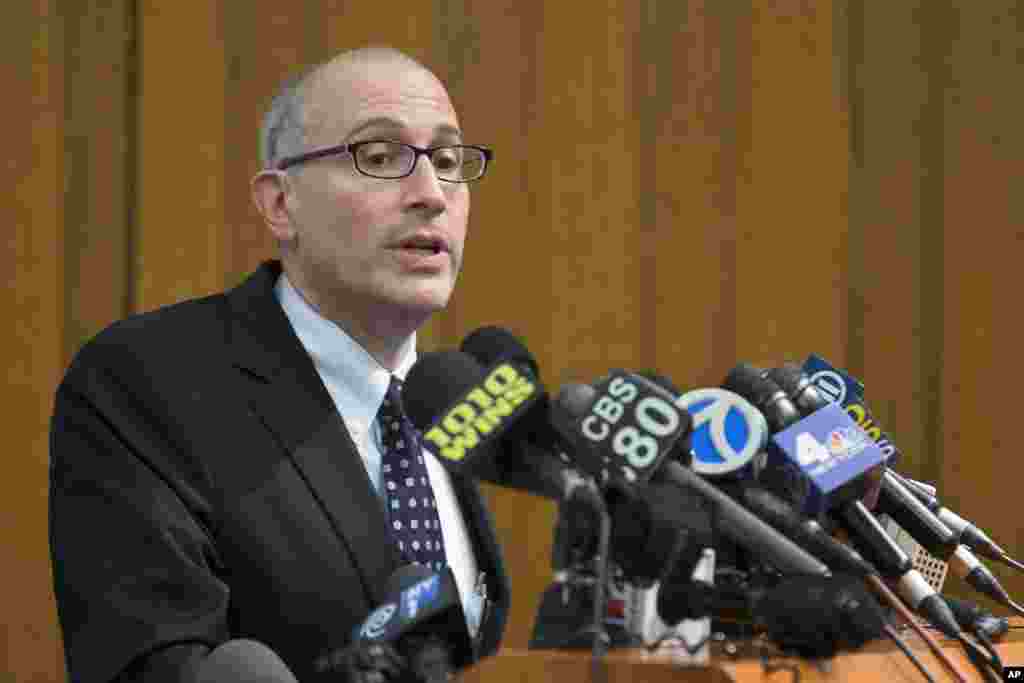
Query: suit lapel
x,y
290,398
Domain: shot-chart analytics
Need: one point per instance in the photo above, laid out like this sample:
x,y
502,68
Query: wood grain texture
x,y
678,186
264,43
32,342
793,180
982,249
896,125
180,240
99,151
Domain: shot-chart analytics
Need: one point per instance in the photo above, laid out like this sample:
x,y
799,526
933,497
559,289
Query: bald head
x,y
300,108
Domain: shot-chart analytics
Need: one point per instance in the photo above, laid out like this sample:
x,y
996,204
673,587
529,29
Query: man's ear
x,y
270,192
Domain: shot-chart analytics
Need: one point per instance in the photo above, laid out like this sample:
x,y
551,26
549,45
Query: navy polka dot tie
x,y
412,510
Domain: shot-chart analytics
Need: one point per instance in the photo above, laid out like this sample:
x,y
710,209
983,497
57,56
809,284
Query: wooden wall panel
x,y
264,43
895,123
587,189
678,186
984,148
479,46
690,69
792,227
32,341
180,238
99,148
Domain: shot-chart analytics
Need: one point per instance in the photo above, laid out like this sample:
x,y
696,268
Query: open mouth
x,y
425,245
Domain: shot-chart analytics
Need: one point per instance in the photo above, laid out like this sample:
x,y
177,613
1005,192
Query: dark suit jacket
x,y
204,488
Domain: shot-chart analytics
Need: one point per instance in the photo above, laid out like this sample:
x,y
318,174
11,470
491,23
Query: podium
x,y
879,660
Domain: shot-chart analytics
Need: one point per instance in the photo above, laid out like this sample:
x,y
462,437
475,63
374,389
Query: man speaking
x,y
239,468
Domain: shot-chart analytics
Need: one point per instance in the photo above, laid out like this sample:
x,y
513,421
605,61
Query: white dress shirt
x,y
357,384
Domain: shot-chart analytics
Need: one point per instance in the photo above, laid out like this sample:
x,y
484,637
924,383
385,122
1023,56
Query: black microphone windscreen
x,y
648,530
420,602
243,661
750,383
798,386
491,344
663,382
430,659
575,399
679,596
435,382
790,376
818,616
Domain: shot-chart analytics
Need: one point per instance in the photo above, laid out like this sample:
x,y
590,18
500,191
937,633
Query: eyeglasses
x,y
391,160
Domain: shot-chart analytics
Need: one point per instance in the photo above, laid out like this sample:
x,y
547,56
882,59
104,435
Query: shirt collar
x,y
354,377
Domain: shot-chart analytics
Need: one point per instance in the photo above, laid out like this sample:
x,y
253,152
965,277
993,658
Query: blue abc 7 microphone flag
x,y
728,432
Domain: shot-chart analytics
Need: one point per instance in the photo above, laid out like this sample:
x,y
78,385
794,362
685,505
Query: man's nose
x,y
425,189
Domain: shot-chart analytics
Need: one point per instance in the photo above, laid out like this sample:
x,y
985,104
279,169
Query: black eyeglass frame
x,y
352,147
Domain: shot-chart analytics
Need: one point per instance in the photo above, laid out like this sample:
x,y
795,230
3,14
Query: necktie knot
x,y
392,417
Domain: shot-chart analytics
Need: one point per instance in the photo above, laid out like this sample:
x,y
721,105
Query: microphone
x,y
883,552
817,616
660,540
485,424
683,452
733,520
867,534
493,347
837,386
654,529
626,428
639,421
818,461
724,455
647,531
912,515
921,486
243,661
684,596
974,619
807,398
728,434
422,619
904,507
967,533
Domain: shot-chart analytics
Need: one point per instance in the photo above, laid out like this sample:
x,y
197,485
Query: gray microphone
x,y
243,661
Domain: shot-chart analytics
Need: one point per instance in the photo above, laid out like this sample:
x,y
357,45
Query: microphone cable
x,y
895,636
990,647
985,665
911,620
1010,562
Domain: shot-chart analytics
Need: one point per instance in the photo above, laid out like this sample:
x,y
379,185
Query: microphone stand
x,y
601,638
580,559
586,490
